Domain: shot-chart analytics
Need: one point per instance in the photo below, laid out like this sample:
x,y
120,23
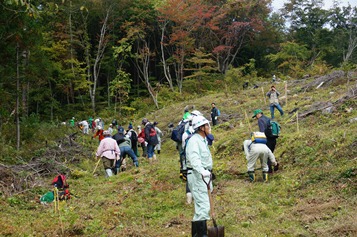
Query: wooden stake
x,y
246,117
265,99
286,93
297,121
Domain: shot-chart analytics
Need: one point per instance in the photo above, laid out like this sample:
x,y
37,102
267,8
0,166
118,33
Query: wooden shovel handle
x,y
210,198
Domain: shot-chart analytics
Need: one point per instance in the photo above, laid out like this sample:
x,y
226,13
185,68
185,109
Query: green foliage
x,y
236,77
291,59
120,87
202,65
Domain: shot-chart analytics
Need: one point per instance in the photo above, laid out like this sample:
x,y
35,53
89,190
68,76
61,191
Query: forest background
x,y
122,58
128,59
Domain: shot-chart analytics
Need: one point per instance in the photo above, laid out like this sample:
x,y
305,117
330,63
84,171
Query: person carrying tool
x,y
199,166
253,151
183,171
109,152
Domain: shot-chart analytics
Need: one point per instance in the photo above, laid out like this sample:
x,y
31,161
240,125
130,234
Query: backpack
x,y
259,137
114,122
119,137
218,112
178,131
133,138
60,181
152,131
183,171
273,129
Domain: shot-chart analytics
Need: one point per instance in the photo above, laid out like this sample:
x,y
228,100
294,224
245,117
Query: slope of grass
x,y
314,193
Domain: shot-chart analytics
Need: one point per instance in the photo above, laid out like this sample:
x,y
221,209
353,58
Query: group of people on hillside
x,y
86,125
113,149
196,162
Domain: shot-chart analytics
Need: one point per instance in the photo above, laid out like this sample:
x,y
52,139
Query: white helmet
x,y
198,121
196,113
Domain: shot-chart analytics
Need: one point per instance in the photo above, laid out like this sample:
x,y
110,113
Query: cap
x,y
257,111
106,133
144,121
121,130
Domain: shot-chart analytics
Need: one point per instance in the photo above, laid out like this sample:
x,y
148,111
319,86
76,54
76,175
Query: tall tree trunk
x,y
71,51
17,98
352,45
108,90
99,56
164,63
142,65
52,99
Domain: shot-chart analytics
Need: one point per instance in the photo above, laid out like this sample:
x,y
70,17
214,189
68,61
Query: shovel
x,y
215,231
96,166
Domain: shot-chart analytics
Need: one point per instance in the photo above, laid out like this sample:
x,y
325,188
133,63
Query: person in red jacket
x,y
141,140
99,133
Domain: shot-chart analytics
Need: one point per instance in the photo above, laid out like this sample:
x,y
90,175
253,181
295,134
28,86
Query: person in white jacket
x,y
199,166
253,152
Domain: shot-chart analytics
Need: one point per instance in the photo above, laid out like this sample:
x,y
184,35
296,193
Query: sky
x,y
277,4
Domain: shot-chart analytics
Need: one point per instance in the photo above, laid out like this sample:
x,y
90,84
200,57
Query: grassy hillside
x,y
313,194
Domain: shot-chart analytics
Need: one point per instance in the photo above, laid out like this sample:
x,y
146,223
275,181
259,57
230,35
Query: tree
x,y
202,64
119,88
138,44
236,23
309,26
19,36
291,59
186,20
343,21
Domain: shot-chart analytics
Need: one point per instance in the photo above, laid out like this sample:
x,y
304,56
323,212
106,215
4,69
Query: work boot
x,y
136,164
123,165
265,176
108,173
251,175
189,198
193,228
115,171
199,228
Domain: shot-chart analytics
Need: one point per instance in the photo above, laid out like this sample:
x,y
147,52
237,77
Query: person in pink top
x,y
108,150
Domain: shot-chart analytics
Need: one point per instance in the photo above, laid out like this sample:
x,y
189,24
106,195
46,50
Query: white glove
x,y
215,118
205,173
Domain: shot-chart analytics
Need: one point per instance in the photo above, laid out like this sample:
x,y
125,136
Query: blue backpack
x,y
218,112
178,131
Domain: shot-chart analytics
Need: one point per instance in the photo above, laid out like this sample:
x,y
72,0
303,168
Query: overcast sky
x,y
277,4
